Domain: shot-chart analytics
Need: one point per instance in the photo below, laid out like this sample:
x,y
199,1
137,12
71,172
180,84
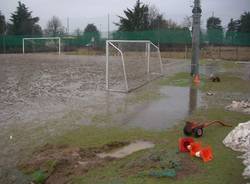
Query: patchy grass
x,y
143,95
224,169
38,177
86,136
101,118
229,83
181,79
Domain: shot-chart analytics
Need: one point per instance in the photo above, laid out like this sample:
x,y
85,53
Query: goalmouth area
x,y
142,55
44,44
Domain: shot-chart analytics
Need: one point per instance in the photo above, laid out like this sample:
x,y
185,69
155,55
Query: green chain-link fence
x,y
167,39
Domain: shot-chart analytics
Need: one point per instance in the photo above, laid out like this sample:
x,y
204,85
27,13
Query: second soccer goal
x,y
42,44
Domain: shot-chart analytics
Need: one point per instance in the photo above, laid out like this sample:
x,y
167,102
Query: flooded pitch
x,y
175,105
44,96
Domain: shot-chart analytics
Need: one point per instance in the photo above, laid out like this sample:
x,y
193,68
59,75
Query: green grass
x,y
143,95
224,169
229,83
181,79
38,177
93,136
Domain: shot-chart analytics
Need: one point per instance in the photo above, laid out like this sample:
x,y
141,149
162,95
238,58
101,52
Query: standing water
x,y
177,104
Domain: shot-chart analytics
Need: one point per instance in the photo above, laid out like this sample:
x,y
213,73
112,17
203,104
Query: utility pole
x,y
108,26
196,38
68,25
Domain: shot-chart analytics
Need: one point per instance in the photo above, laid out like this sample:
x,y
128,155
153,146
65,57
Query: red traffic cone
x,y
196,79
194,148
205,153
184,143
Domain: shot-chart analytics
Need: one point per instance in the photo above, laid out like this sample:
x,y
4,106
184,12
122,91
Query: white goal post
x,y
44,38
148,47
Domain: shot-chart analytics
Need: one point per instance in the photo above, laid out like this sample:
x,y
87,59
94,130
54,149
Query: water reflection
x,y
193,95
176,105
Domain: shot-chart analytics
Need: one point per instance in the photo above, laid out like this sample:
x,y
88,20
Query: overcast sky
x,y
82,12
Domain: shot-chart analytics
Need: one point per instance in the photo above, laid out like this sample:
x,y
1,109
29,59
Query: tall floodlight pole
x,y
108,26
196,38
68,25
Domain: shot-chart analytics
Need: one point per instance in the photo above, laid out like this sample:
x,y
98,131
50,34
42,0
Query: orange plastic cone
x,y
194,148
184,143
197,79
206,154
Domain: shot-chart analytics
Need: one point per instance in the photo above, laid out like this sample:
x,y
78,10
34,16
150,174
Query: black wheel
x,y
187,131
198,132
217,79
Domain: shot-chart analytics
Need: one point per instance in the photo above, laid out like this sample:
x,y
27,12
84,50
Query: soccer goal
x,y
131,64
42,44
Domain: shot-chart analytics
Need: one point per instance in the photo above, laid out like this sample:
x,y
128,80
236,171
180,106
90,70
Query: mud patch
x,y
58,164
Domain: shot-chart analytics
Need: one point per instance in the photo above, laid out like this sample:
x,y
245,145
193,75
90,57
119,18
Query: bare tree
x,y
78,32
54,27
153,12
187,22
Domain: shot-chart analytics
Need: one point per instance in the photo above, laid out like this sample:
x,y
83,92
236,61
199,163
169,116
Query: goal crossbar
x,y
44,38
148,44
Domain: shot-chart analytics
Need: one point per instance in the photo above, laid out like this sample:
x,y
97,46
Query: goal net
x,y
42,44
131,64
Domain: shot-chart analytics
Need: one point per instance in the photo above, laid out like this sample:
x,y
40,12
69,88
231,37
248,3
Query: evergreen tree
x,y
137,19
22,22
245,23
214,30
142,18
2,24
232,30
91,35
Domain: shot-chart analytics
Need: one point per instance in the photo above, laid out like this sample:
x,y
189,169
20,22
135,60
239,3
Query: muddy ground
x,y
39,86
58,164
40,94
43,96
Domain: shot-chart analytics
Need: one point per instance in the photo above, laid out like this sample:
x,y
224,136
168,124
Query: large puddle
x,y
175,105
128,150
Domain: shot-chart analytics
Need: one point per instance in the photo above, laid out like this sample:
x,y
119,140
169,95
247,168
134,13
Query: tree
x,y
156,20
54,27
91,34
2,24
143,17
214,30
136,19
245,23
233,25
187,22
232,30
22,22
78,32
214,23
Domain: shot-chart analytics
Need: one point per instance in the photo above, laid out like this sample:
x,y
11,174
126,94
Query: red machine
x,y
196,129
